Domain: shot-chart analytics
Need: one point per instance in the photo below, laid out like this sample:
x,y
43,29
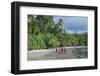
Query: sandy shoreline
x,y
77,47
46,54
53,49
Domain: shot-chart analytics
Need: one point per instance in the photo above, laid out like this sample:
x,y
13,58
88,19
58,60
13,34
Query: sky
x,y
72,24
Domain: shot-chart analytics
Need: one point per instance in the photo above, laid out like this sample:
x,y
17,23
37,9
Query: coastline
x,y
40,54
53,49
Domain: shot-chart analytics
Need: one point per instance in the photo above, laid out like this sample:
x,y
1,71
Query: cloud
x,y
73,23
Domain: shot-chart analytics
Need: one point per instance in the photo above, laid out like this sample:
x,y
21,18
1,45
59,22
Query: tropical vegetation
x,y
44,33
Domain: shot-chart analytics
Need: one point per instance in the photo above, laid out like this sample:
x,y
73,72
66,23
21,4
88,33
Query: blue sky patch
x,y
73,24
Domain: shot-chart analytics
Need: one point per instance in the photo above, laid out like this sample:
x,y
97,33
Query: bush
x,y
36,42
51,41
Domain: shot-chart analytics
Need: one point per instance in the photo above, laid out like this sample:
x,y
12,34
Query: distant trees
x,y
44,33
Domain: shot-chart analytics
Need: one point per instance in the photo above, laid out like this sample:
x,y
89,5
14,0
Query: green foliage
x,y
44,33
51,40
36,42
32,43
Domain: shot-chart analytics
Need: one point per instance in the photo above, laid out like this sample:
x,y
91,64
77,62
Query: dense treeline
x,y
43,33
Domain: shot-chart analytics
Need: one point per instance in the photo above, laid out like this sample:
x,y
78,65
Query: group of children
x,y
61,50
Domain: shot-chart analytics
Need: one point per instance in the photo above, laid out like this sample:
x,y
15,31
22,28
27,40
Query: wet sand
x,y
52,54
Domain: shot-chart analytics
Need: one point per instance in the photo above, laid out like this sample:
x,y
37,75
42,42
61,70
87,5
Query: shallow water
x,y
80,52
